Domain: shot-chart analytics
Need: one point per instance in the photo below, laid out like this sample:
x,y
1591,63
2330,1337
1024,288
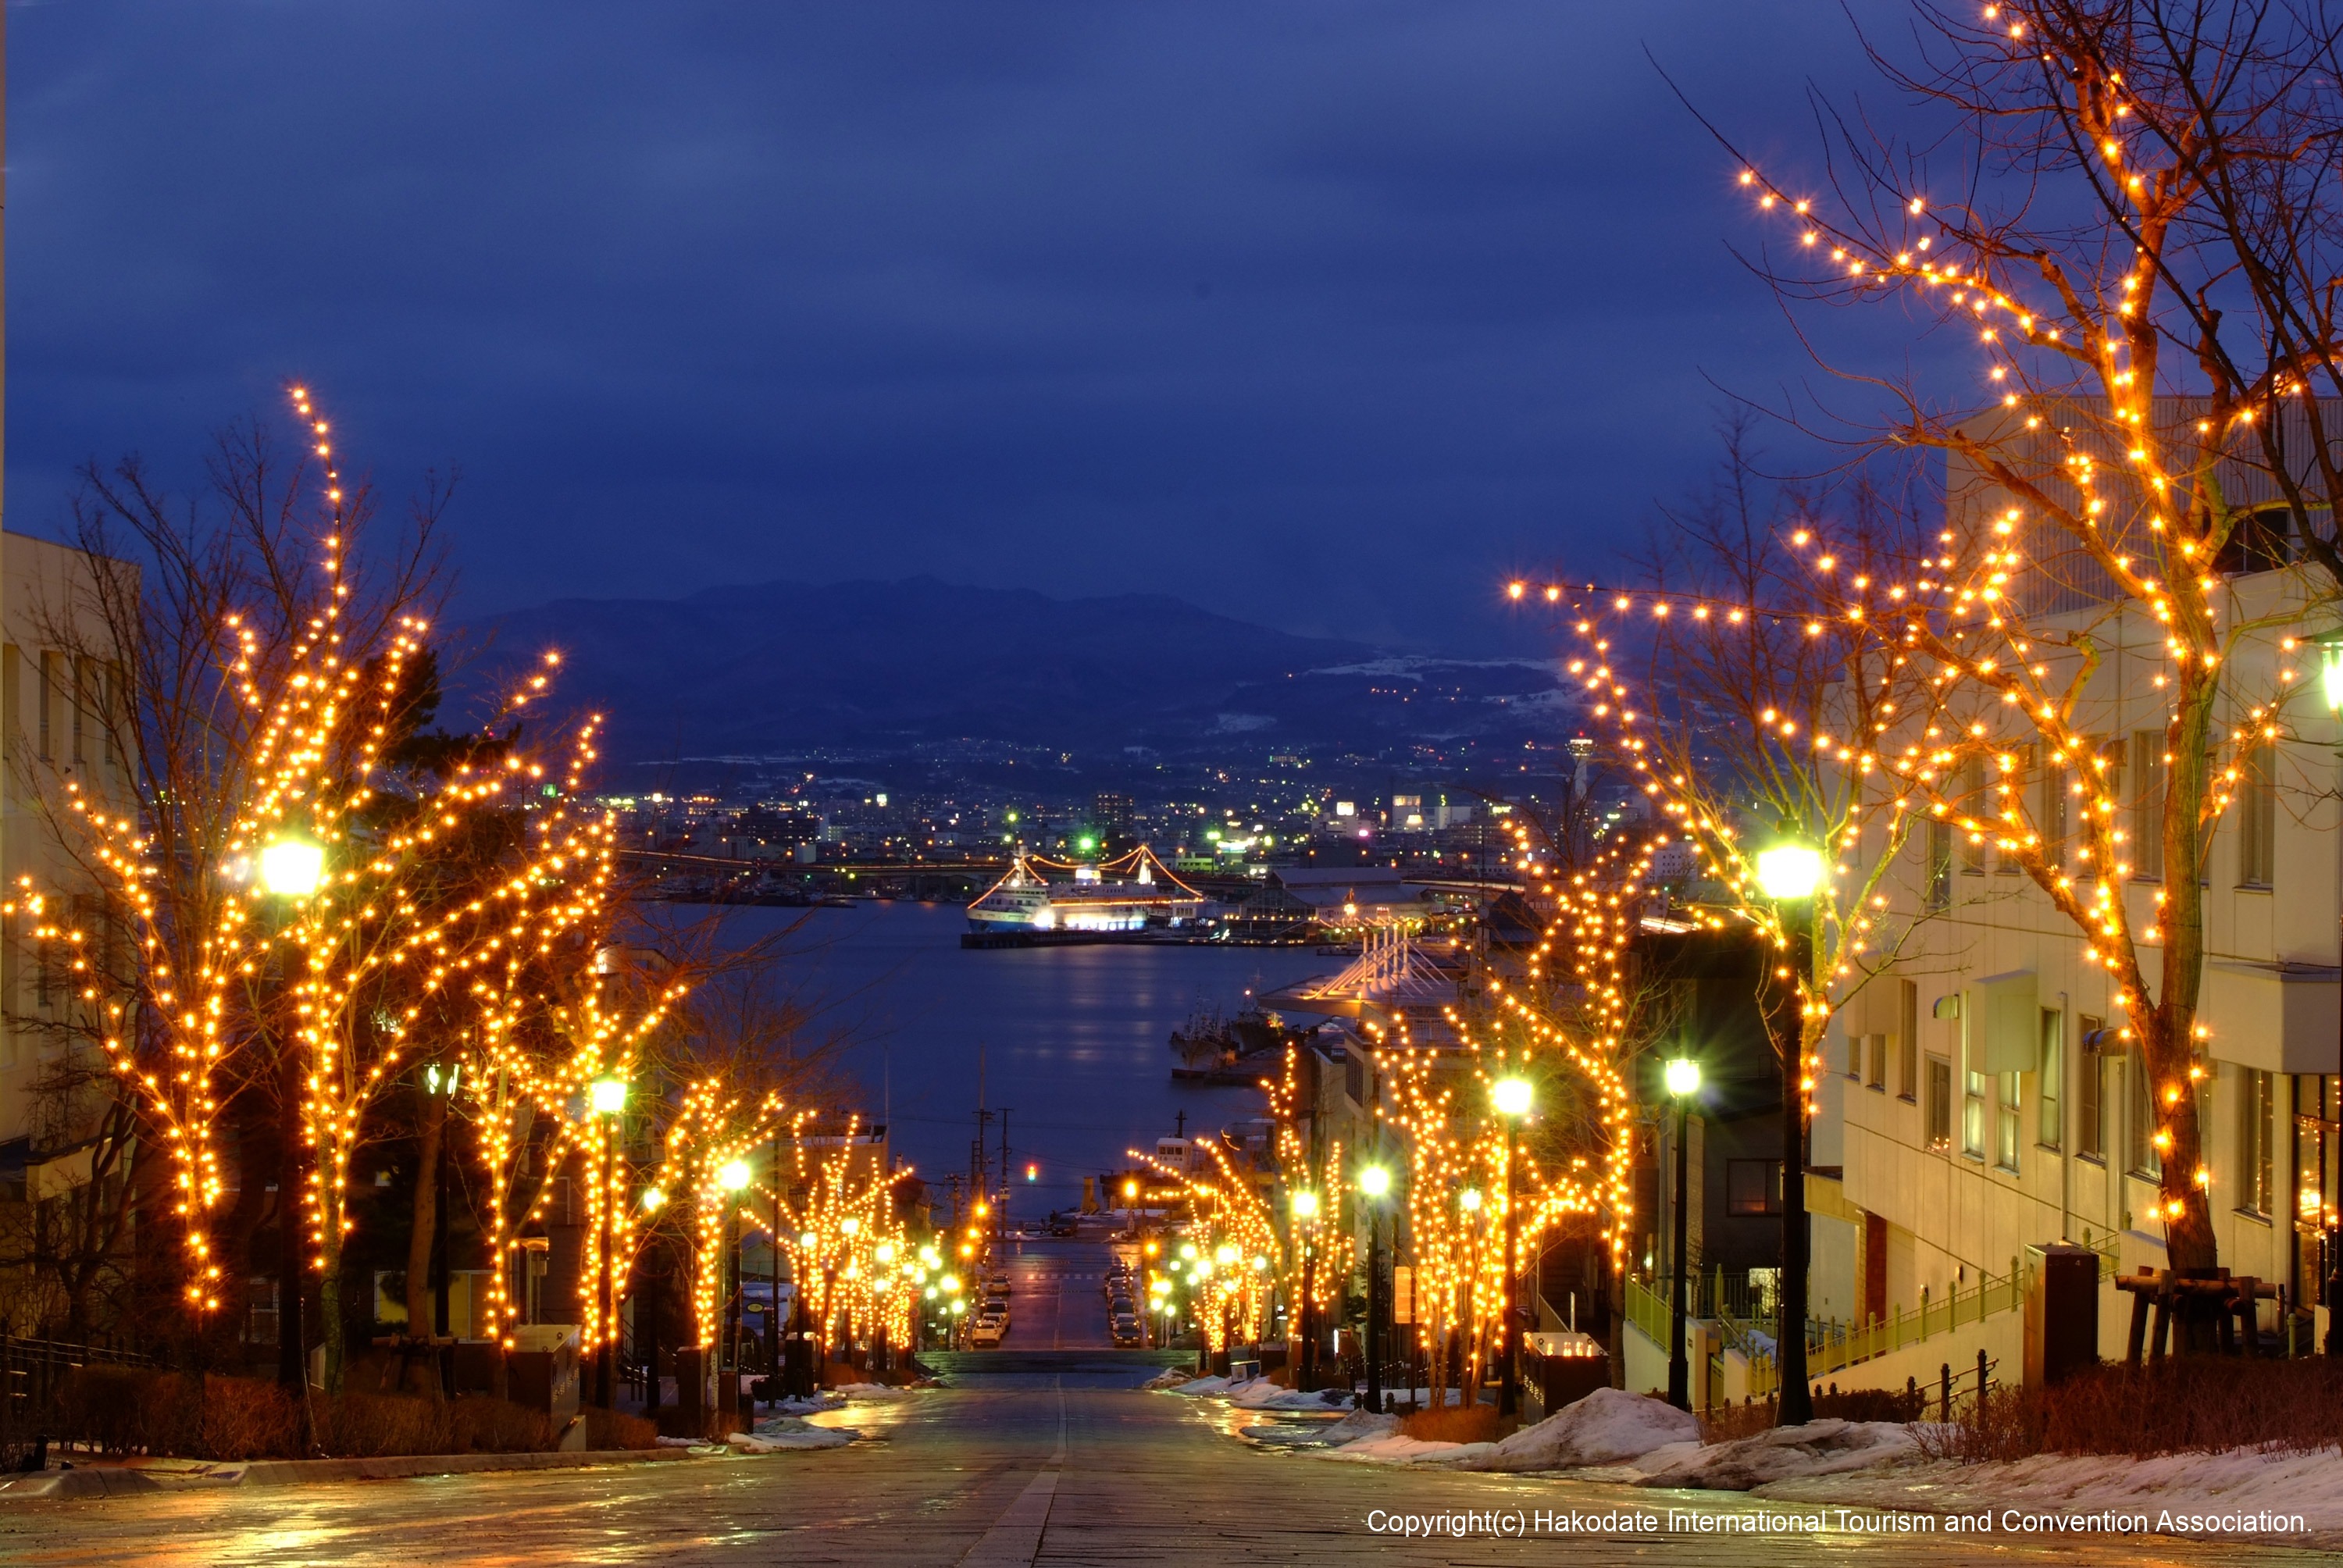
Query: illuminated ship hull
x,y
1132,893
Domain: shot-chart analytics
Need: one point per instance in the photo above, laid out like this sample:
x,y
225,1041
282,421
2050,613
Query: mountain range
x,y
782,668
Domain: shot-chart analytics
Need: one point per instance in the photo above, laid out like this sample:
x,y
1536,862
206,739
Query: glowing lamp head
x,y
1224,1255
808,1239
884,1252
292,867
734,1175
1305,1205
653,1199
1374,1180
1469,1200
608,1096
1188,1250
1683,1077
1511,1096
1790,871
1131,1189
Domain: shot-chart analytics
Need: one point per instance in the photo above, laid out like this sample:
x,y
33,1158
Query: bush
x,y
131,1410
2188,1404
1453,1423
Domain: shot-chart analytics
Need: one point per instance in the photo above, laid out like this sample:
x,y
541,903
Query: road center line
x,y
1015,1539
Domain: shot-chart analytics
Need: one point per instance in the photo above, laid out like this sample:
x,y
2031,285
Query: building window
x,y
1973,803
1940,1103
2256,823
2052,817
1879,1062
2141,1158
1753,1188
45,699
2050,1130
2146,776
2005,1120
2256,1130
1907,1039
2090,1100
2004,862
1938,842
1972,1109
1853,1055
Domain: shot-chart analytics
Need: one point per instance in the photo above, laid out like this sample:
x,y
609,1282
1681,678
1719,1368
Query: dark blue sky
x,y
1324,315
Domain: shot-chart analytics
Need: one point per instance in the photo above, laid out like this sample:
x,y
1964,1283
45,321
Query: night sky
x,y
1328,315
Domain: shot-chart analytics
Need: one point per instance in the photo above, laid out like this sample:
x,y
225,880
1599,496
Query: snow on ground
x,y
1351,1428
2240,1481
1263,1395
1784,1453
775,1433
1393,1449
1608,1426
1172,1377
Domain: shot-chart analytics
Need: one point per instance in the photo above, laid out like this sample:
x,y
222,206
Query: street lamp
x,y
1374,1182
732,1176
1305,1209
1790,873
291,868
1512,1097
608,1096
1684,1082
2330,687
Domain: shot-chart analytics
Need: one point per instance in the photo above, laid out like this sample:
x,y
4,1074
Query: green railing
x,y
1833,1346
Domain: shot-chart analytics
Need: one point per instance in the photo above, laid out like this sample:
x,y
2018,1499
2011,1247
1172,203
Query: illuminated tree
x,y
2140,253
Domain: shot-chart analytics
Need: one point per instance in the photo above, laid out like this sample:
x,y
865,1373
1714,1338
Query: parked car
x,y
1126,1331
988,1332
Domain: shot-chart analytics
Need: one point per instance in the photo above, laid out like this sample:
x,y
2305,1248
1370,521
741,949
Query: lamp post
x,y
290,868
1789,872
1512,1097
2330,687
1305,1212
733,1177
1374,1182
1684,1082
608,1096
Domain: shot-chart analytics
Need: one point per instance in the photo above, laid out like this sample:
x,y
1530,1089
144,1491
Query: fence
x,y
32,1375
1737,1306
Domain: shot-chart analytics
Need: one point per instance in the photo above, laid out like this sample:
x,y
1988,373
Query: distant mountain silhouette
x,y
772,669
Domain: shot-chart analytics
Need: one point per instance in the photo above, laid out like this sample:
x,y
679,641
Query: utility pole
x,y
1001,1210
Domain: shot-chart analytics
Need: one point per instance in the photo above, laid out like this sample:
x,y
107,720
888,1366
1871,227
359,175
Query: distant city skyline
x,y
1325,318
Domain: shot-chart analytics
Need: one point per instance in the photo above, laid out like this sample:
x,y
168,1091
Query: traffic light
x,y
1033,1172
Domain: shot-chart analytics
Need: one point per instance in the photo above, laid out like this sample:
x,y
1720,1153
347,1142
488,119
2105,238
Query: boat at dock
x,y
1131,895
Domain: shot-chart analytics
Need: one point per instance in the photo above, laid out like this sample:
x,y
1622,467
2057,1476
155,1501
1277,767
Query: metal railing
x,y
1832,1344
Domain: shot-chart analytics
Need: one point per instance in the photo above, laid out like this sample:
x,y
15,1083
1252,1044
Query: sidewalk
x,y
114,1479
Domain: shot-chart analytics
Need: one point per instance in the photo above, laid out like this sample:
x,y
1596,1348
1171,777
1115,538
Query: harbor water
x,y
1073,1041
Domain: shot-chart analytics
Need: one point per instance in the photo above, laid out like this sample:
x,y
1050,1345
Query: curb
x,y
107,1481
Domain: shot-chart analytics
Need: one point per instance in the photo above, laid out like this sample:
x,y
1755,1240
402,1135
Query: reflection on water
x,y
1073,1038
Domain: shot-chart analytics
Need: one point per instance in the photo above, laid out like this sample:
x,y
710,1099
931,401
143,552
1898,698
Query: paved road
x,y
1055,1300
1006,1470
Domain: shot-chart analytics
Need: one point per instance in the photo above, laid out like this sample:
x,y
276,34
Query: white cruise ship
x,y
1132,892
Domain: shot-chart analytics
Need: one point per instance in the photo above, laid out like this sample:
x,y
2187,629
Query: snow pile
x,y
1609,1426
823,1399
1392,1449
1784,1453
1352,1428
776,1433
2238,1481
1179,1382
1259,1393
868,1392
